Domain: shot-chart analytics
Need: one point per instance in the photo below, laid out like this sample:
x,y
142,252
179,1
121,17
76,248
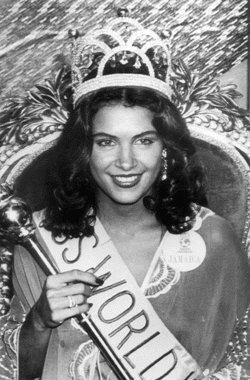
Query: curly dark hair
x,y
71,205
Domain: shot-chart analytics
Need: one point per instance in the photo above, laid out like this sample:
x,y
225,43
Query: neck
x,y
124,216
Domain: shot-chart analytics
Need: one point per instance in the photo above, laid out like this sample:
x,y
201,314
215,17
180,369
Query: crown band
x,y
121,80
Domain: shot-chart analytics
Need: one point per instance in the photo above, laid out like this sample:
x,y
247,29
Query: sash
x,y
127,320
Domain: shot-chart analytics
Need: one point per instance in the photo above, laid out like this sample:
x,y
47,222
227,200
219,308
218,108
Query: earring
x,y
164,170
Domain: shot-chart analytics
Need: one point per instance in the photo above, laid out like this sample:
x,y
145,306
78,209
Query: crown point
x,y
73,33
122,12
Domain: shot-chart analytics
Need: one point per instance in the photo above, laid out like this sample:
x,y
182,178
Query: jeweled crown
x,y
122,53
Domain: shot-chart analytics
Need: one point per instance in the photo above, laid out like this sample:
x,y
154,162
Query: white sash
x,y
127,320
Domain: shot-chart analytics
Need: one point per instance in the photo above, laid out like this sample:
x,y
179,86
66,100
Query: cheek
x,y
95,166
152,160
155,167
98,162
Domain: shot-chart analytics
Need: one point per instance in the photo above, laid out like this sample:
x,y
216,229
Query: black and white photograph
x,y
124,190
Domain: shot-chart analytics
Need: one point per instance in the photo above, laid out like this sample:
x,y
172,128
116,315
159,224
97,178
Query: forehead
x,y
117,119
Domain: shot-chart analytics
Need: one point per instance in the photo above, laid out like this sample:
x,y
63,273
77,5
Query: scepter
x,y
17,227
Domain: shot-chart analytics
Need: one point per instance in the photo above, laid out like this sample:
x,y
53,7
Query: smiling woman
x,y
126,152
126,155
125,222
119,140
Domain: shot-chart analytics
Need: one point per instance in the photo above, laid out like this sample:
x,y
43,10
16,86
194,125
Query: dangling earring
x,y
164,170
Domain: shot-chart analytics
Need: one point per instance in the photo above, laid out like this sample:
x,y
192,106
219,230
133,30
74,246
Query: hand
x,y
64,295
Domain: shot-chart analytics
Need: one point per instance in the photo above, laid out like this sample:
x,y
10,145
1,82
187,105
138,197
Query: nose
x,y
126,159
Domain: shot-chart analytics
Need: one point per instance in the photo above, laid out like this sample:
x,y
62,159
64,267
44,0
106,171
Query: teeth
x,y
126,179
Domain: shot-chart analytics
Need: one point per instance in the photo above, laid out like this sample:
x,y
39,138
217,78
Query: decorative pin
x,y
184,252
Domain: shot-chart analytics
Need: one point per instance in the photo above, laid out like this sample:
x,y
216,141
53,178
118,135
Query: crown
x,y
122,53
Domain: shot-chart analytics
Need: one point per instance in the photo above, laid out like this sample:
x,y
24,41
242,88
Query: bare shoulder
x,y
220,236
218,226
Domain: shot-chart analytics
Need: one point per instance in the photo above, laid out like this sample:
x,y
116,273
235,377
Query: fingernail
x,y
105,276
91,270
99,281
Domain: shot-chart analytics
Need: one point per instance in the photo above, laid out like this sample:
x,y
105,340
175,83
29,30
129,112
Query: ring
x,y
72,302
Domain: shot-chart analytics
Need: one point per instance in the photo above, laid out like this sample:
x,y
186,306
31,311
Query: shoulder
x,y
216,229
222,243
226,261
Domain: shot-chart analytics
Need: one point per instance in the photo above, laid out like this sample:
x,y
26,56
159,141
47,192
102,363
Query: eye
x,y
105,142
145,141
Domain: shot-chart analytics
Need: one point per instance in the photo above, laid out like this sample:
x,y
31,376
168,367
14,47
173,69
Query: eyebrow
x,y
103,134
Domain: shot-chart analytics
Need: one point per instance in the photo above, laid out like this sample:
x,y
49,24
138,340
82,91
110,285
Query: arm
x,y
51,309
229,264
33,343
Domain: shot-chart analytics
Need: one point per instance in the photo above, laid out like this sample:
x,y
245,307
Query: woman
x,y
125,182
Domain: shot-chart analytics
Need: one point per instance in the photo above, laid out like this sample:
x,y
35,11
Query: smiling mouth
x,y
126,181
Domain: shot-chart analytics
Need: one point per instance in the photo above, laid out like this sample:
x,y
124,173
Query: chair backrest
x,y
227,180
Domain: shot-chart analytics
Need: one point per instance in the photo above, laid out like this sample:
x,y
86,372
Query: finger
x,y
64,302
91,270
60,315
57,280
70,290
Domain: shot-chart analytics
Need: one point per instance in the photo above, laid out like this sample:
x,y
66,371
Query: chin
x,y
127,200
125,196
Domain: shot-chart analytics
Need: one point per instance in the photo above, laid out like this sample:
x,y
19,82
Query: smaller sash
x,y
127,320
